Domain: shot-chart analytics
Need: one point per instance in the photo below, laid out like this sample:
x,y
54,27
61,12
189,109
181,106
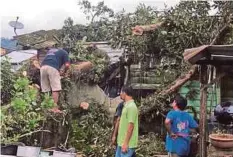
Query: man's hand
x,y
113,141
61,73
173,136
124,148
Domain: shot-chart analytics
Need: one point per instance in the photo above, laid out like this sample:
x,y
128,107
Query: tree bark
x,y
203,111
139,30
180,81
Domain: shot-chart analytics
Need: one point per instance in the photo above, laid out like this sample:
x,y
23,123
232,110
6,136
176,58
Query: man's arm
x,y
67,66
115,131
66,61
116,122
129,133
193,126
169,130
168,126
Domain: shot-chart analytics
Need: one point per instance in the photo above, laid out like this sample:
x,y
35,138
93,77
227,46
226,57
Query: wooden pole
x,y
203,108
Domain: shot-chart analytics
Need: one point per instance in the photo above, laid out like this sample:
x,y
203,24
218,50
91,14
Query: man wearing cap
x,y
51,75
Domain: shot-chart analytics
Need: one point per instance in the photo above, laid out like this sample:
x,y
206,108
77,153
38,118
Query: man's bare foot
x,y
56,110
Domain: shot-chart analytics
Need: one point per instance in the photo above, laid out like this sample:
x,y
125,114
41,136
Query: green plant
x,y
7,81
47,102
24,114
91,132
98,58
149,148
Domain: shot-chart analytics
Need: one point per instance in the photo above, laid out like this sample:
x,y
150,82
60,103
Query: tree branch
x,y
219,34
180,81
30,133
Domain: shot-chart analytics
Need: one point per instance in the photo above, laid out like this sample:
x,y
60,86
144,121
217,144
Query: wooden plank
x,y
215,62
203,111
144,86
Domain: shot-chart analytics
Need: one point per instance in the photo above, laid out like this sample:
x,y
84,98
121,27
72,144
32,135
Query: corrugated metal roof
x,y
37,37
20,56
45,44
114,54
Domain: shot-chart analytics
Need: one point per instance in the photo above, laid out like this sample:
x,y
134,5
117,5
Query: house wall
x,y
227,89
213,96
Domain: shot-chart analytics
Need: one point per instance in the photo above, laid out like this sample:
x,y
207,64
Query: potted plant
x,y
221,140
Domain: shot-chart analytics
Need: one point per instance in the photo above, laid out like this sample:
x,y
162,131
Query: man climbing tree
x,y
51,75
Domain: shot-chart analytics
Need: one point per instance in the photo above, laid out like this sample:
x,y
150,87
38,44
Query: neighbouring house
x,y
220,68
215,64
19,58
114,78
9,45
37,38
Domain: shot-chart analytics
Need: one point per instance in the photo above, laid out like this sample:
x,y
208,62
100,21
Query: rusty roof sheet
x,y
39,38
45,44
209,54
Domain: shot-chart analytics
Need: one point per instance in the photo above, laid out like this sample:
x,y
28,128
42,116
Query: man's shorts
x,y
50,79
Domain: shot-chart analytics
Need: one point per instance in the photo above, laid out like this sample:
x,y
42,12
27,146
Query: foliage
x,y
98,58
71,33
24,114
99,16
91,135
7,81
91,132
92,12
148,148
121,32
185,27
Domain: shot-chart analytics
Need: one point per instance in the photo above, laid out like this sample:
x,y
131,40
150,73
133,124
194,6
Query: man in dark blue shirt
x,y
50,73
179,124
116,121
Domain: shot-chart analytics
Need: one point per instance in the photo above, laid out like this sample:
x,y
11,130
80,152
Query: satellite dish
x,y
16,25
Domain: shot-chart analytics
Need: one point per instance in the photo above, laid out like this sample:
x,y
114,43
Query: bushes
x,y
24,114
7,81
91,132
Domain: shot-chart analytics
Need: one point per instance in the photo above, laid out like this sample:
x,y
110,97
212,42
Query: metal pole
x,y
203,108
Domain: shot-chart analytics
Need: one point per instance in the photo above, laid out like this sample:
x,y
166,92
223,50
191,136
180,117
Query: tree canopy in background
x,y
186,25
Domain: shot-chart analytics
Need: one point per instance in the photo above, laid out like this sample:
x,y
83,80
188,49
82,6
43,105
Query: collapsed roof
x,y
39,39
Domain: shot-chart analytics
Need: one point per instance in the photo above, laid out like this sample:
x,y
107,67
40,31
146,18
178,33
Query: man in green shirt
x,y
127,139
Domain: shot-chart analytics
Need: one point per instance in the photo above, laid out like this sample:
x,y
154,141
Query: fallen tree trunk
x,y
139,30
180,81
169,90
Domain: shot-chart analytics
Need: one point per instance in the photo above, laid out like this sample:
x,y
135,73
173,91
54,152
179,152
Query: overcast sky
x,y
50,14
